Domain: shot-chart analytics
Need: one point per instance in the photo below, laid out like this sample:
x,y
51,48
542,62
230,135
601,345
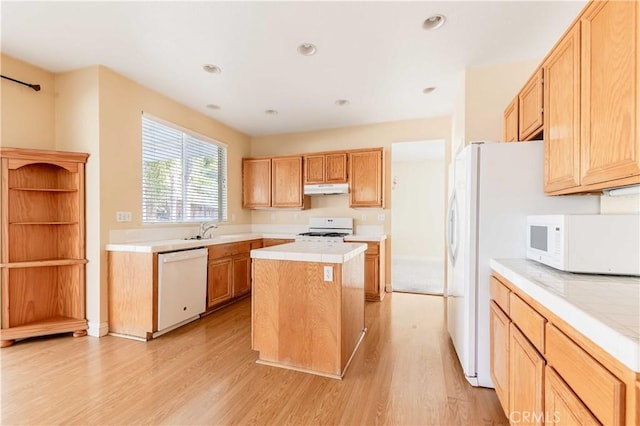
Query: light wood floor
x,y
404,373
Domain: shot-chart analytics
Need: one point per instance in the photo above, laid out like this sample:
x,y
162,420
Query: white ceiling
x,y
375,54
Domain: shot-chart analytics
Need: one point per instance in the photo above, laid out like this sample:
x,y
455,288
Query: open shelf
x,y
43,241
43,223
43,263
44,189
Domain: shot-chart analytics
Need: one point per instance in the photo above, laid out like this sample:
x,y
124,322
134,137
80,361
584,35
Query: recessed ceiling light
x,y
307,49
342,102
271,112
212,106
433,22
428,90
213,69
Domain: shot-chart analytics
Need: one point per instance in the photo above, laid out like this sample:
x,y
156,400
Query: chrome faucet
x,y
204,227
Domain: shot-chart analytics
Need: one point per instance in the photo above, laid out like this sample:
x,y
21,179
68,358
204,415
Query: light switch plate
x,y
328,273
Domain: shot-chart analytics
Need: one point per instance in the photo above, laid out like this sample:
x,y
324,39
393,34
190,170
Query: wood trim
x,y
598,188
42,155
5,213
40,263
44,327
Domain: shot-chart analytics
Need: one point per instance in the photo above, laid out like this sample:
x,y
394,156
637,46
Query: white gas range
x,y
327,229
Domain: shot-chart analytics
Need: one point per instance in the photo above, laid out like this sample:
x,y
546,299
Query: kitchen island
x,y
308,305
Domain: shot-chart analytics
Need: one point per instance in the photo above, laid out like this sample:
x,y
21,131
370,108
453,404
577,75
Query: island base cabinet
x,y
303,322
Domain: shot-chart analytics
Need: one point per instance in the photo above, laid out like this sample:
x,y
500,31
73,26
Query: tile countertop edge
x,y
366,238
619,346
290,252
178,244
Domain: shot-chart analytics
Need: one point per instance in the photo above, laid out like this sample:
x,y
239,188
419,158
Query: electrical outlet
x,y
364,217
328,273
381,217
273,217
233,217
296,216
123,216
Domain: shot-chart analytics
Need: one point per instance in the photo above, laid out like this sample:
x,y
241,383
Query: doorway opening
x,y
417,216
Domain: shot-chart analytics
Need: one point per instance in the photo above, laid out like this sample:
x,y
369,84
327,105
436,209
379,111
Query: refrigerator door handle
x,y
451,230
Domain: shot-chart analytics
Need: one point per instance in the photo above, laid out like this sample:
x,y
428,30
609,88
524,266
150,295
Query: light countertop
x,y
605,309
182,244
321,252
365,238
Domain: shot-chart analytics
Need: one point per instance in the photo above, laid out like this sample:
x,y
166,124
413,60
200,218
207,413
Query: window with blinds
x,y
184,176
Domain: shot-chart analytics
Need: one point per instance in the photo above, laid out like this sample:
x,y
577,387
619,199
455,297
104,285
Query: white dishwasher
x,y
182,288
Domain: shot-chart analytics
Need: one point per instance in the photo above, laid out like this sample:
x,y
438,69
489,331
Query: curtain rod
x,y
35,87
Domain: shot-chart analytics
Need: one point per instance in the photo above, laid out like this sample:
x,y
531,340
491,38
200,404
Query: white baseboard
x,y
98,329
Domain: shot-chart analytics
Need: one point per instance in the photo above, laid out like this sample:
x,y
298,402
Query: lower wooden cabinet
x,y
563,378
562,405
526,380
268,242
219,281
241,275
499,348
229,272
374,271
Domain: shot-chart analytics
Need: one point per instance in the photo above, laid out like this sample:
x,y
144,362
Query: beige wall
x,y
97,111
368,136
482,98
78,129
27,117
418,208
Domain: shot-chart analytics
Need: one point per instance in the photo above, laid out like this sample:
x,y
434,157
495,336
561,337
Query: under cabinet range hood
x,y
326,189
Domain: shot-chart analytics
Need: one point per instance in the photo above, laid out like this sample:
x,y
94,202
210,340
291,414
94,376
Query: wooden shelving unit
x,y
43,243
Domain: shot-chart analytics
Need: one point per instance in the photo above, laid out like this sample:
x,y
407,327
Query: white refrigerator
x,y
493,187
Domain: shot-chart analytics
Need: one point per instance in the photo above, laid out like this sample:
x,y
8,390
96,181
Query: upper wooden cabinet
x,y
610,94
562,118
510,129
272,182
591,102
530,107
256,183
43,243
286,182
325,168
366,178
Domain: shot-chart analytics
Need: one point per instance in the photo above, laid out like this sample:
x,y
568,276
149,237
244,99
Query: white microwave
x,y
591,244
